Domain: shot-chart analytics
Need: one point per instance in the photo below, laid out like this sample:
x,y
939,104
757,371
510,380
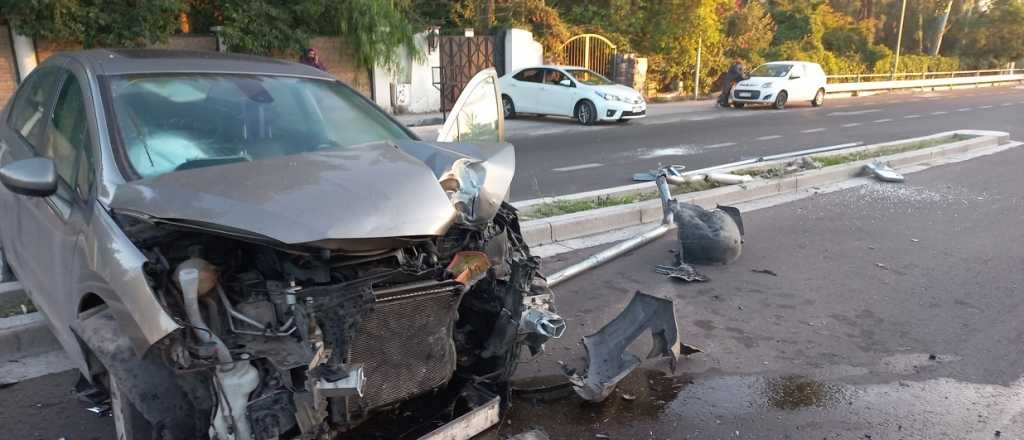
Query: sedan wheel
x,y
508,107
780,101
586,114
819,98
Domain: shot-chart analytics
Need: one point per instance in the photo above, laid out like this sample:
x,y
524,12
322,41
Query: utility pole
x,y
696,81
899,40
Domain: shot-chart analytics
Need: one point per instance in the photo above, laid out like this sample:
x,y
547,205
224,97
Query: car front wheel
x,y
780,101
508,107
819,98
586,113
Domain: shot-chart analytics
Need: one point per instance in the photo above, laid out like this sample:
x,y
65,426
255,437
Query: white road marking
x,y
877,121
813,130
985,106
857,112
578,167
765,138
721,145
678,150
852,124
911,116
965,109
939,113
1007,104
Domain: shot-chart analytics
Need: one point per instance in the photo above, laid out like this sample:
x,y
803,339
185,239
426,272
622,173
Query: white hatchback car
x,y
575,92
780,82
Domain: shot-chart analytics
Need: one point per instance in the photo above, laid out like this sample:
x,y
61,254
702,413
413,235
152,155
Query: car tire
x,y
586,113
739,104
508,107
780,101
819,98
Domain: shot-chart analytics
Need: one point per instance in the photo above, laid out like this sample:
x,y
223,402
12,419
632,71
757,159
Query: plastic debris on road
x,y
883,172
652,175
609,361
682,272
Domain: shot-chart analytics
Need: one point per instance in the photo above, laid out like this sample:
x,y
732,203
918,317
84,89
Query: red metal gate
x,y
461,58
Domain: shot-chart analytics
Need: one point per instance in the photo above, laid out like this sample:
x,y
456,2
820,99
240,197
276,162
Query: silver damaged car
x,y
234,247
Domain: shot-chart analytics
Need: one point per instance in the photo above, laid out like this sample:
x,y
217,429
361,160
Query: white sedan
x,y
575,92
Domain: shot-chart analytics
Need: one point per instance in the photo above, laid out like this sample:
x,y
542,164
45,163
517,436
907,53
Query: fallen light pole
x,y
667,224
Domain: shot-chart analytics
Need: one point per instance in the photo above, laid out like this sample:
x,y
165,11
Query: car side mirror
x,y
565,83
794,76
35,177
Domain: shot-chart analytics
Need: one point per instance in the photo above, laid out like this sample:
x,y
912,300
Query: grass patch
x,y
563,207
840,159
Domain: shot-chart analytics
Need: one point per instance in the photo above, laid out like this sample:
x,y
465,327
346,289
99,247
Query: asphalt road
x,y
895,315
556,156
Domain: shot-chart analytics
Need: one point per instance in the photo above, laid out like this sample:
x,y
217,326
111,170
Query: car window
x,y
31,101
530,75
67,142
772,70
179,121
477,119
589,77
552,76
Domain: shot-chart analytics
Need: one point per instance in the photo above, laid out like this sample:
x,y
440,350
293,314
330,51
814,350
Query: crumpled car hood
x,y
375,190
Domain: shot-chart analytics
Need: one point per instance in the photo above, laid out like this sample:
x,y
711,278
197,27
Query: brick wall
x,y
8,66
341,64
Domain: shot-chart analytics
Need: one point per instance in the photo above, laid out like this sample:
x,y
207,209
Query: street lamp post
x,y
899,41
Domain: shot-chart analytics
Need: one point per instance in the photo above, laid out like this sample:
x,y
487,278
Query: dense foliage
x,y
845,36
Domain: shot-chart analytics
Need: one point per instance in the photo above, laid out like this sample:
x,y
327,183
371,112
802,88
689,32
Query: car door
x,y
23,132
477,115
50,227
558,99
525,89
797,84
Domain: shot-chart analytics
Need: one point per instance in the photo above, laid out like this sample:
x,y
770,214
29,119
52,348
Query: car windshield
x,y
772,70
589,77
173,122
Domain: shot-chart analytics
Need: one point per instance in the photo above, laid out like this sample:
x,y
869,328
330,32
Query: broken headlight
x,y
464,184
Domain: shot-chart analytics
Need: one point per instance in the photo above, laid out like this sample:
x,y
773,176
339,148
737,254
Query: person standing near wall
x,y
310,58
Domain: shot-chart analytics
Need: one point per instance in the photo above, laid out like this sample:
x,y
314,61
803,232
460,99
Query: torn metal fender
x,y
607,359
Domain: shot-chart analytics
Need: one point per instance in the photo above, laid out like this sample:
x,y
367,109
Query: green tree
x,y
749,32
96,23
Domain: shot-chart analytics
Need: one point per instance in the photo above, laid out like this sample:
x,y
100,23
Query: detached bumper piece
x,y
608,361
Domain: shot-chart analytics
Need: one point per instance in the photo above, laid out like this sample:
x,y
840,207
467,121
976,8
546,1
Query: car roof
x,y
141,61
790,62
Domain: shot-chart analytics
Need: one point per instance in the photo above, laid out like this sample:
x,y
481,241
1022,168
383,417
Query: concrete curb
x,y
580,224
25,335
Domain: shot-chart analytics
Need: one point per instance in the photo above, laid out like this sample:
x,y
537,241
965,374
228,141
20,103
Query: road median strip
x,y
631,205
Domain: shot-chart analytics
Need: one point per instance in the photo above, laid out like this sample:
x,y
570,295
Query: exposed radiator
x,y
405,344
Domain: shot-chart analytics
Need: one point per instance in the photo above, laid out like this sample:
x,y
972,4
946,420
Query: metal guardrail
x,y
907,76
886,81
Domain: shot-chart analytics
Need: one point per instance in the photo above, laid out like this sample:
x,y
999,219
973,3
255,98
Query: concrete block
x,y
25,335
650,211
536,232
827,175
595,221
